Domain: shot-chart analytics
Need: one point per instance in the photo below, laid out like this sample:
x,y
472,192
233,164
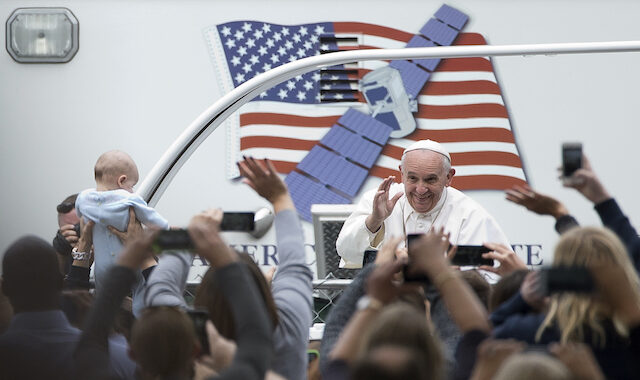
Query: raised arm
x,y
253,330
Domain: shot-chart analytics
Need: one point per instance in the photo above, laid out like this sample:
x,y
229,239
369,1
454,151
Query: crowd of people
x,y
448,324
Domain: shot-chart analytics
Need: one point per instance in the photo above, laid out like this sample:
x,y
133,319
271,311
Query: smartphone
x,y
571,158
238,221
566,279
369,256
199,318
471,255
407,272
172,239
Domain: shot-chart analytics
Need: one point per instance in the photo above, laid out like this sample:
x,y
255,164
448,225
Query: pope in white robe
x,y
423,201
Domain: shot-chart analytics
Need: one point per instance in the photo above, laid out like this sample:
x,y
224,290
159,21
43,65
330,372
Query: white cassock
x,y
467,221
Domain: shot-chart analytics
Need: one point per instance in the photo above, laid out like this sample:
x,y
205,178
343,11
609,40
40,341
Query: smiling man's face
x,y
424,175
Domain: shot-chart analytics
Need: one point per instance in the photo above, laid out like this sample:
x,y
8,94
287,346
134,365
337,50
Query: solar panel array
x,y
441,30
334,170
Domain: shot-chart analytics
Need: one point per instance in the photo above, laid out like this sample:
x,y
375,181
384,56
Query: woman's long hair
x,y
572,312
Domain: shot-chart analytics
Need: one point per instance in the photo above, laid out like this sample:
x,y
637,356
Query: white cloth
x,y
111,208
467,221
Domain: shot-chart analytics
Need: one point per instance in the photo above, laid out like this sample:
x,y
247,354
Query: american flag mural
x,y
461,106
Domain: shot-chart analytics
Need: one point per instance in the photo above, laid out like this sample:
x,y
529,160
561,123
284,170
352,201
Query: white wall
x,y
143,73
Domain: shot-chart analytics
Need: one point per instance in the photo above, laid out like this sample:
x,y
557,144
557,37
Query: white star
x,y
301,53
324,47
254,59
246,27
246,67
335,77
282,50
235,60
292,58
338,96
266,66
314,39
226,31
258,34
282,93
285,31
303,31
266,28
301,96
319,29
239,78
242,51
277,36
291,85
308,85
251,43
262,50
239,35
308,45
263,94
288,45
274,58
296,38
316,76
298,78
317,52
270,43
230,43
318,97
326,87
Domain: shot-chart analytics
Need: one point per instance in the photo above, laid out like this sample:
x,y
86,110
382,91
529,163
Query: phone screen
x,y
571,158
199,318
566,279
407,272
471,255
172,239
238,221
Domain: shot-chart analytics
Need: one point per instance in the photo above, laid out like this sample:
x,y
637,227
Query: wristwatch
x,y
366,302
80,256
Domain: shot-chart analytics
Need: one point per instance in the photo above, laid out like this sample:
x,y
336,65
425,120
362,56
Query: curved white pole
x,y
165,169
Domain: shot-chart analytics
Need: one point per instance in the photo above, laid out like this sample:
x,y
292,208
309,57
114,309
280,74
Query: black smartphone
x,y
571,158
238,221
407,272
471,255
172,239
199,318
566,279
369,256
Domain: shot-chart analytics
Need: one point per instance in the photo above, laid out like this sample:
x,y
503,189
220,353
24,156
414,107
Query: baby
x,y
108,205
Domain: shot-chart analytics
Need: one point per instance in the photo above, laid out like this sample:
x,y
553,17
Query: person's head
x,y
572,312
533,366
506,287
30,276
478,284
67,211
164,342
116,170
402,334
210,297
426,170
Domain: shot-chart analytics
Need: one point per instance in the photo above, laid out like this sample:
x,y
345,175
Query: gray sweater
x,y
291,288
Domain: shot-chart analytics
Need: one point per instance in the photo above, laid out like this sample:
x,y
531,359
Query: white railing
x,y
160,176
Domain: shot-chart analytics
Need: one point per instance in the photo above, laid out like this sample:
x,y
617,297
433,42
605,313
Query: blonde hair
x,y
571,312
532,366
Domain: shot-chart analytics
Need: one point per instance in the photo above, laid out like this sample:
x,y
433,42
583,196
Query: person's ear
x,y
122,179
401,173
450,175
